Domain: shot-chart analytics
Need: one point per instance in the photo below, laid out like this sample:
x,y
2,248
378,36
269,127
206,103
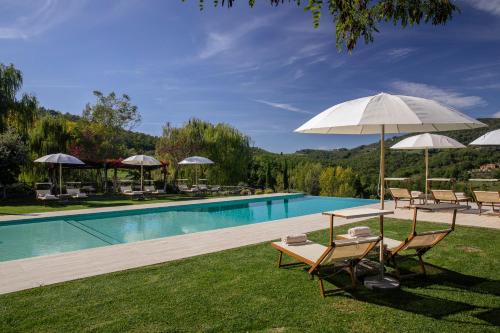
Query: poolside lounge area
x,y
38,271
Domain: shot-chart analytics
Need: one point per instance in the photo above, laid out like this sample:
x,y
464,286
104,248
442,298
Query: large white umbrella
x,y
141,160
427,141
385,113
489,139
59,159
196,160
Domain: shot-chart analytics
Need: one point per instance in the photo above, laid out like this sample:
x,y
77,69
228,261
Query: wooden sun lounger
x,y
75,193
487,197
402,194
419,242
449,196
342,255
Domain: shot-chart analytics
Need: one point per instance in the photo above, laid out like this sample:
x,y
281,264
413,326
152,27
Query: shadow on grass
x,y
438,279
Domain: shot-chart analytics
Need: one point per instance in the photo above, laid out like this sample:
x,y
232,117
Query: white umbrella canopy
x,y
385,113
141,160
397,113
59,159
489,139
427,141
196,160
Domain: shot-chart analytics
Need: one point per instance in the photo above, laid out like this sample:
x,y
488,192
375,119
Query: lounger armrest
x,y
363,240
433,232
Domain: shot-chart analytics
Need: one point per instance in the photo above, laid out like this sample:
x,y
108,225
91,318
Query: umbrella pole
x,y
60,178
382,194
142,170
380,281
426,174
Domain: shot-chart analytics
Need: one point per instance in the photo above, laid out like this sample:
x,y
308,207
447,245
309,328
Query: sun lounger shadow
x,y
439,277
491,316
407,301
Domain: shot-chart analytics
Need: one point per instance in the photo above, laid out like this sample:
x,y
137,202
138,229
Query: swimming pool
x,y
37,237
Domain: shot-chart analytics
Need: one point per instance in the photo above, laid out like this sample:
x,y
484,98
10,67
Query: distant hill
x,y
364,159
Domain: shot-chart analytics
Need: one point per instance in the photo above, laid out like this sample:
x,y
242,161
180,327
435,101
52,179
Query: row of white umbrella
x,y
381,114
139,160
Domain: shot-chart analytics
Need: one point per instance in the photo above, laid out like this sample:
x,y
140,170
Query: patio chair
x,y
340,255
183,188
487,197
128,191
450,196
45,195
419,243
402,194
151,189
75,193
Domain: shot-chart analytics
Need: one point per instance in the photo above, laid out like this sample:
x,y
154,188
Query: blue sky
x,y
264,70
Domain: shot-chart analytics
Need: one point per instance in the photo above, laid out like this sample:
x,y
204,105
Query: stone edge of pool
x,y
88,211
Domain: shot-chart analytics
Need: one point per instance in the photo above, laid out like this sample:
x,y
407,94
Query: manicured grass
x,y
243,290
25,206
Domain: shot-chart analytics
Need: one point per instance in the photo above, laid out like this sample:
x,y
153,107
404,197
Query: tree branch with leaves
x,y
355,19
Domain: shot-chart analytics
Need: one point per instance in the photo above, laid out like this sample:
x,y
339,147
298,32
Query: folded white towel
x,y
359,232
294,239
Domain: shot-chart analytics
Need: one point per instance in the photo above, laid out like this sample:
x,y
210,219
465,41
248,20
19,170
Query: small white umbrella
x,y
196,160
489,139
427,141
141,160
59,159
385,113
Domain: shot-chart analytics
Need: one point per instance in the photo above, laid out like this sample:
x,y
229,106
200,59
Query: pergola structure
x,y
115,164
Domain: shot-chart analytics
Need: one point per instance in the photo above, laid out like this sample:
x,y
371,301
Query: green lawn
x,y
242,290
25,206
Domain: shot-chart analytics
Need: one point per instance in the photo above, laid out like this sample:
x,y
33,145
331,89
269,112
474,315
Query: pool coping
x,y
113,209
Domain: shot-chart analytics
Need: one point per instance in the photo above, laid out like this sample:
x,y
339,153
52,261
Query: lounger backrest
x,y
400,193
445,195
202,187
487,196
73,191
426,239
350,249
126,188
41,193
149,188
182,187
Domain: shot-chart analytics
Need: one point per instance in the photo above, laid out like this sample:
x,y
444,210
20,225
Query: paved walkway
x,y
38,271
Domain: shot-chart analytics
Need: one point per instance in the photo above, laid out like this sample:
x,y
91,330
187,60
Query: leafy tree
x,y
112,112
223,144
49,135
285,175
13,154
355,19
13,112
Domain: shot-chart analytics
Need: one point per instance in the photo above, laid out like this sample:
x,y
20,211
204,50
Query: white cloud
x,y
496,115
399,53
283,106
218,42
489,6
298,74
37,17
445,96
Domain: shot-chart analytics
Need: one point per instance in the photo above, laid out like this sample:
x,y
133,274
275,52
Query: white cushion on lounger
x,y
310,250
391,243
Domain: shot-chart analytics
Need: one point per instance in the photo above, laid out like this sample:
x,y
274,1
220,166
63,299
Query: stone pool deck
x,y
34,272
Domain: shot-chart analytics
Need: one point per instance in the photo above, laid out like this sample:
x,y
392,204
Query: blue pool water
x,y
39,237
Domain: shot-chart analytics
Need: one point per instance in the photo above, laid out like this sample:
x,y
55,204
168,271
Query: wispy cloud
x,y
445,96
489,6
218,42
298,74
399,53
38,17
308,51
283,106
496,115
